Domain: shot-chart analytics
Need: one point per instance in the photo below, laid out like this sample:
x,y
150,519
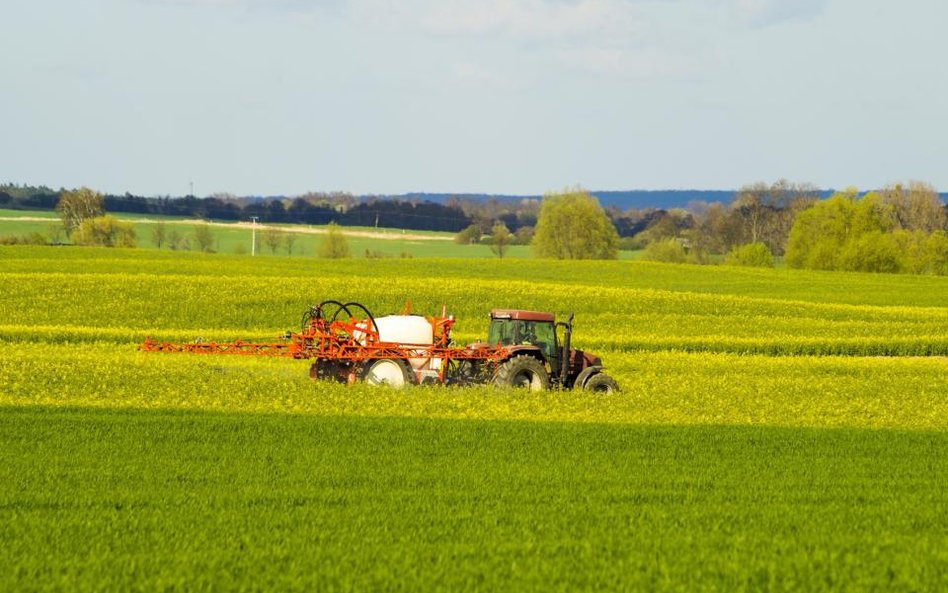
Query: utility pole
x,y
253,236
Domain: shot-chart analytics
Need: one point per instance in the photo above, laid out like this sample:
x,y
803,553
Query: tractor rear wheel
x,y
522,371
601,383
388,371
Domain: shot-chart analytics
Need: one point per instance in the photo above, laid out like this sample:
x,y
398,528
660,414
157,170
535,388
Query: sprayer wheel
x,y
388,371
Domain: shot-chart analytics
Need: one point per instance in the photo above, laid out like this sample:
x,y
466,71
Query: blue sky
x,y
499,96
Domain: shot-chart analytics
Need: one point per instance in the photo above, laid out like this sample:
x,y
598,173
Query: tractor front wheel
x,y
388,371
522,371
601,383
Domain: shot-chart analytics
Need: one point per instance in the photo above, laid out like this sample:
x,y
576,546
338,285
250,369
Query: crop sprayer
x,y
346,343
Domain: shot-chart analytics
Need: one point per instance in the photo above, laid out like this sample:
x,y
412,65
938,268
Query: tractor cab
x,y
513,327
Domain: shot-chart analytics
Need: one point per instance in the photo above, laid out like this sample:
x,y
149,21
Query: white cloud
x,y
526,20
628,38
531,19
641,63
299,6
762,13
476,74
559,19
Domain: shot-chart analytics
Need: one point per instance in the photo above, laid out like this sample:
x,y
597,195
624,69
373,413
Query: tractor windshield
x,y
508,332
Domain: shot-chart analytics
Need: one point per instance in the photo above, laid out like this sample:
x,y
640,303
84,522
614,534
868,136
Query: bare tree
x,y
77,205
500,239
917,207
766,213
716,229
752,204
273,238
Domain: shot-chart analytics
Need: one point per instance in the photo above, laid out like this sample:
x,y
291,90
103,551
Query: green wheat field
x,y
778,430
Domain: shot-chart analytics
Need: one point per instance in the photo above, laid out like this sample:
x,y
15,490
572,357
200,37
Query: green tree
x,y
936,249
572,225
921,252
159,233
333,244
668,250
912,247
500,239
204,237
469,235
756,255
105,231
77,205
666,224
873,251
821,233
289,241
523,235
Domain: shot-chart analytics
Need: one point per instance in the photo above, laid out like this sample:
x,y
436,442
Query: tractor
x,y
541,356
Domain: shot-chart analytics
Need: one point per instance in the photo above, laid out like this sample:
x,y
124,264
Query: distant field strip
x,y
666,388
128,307
781,284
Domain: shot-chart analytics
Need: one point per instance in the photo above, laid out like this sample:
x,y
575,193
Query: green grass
x,y
851,288
103,500
6,213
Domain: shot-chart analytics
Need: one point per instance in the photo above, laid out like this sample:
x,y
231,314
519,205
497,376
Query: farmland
x,y
778,430
236,238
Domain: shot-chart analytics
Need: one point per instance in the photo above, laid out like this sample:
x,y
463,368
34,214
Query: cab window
x,y
539,333
500,332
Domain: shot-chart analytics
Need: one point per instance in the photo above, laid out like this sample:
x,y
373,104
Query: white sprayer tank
x,y
406,330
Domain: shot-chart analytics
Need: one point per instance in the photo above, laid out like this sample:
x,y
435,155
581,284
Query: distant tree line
x,y
318,208
899,228
313,208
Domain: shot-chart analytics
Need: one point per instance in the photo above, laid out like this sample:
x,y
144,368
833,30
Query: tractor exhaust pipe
x,y
564,357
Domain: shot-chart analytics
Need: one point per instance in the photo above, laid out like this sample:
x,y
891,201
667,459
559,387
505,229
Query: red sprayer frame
x,y
347,345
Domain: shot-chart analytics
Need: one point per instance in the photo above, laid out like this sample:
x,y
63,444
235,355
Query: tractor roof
x,y
521,315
